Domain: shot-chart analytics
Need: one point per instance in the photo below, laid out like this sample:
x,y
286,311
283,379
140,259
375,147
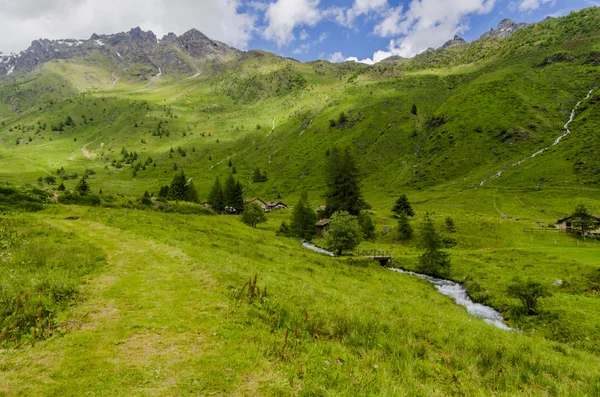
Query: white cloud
x,y
530,5
284,16
426,23
346,17
22,21
336,57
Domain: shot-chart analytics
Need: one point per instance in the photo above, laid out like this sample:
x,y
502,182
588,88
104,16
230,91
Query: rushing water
x,y
556,142
312,247
459,293
448,288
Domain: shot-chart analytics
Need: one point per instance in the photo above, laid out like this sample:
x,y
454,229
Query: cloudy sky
x,y
364,30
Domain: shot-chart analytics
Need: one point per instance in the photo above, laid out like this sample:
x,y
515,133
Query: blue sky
x,y
367,30
365,27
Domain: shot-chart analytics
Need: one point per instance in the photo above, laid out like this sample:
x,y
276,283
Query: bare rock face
x,y
135,49
457,40
199,45
506,28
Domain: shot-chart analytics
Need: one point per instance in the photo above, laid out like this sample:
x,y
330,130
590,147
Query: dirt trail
x,y
115,79
147,309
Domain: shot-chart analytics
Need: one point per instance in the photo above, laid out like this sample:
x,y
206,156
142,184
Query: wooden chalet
x,y
258,201
570,225
275,205
323,226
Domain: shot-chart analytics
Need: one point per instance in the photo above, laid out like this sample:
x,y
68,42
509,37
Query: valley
x,y
125,287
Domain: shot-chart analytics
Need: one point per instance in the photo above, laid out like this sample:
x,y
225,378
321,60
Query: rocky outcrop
x,y
457,40
135,49
506,28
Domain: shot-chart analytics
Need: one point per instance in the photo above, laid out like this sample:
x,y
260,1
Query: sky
x,y
336,30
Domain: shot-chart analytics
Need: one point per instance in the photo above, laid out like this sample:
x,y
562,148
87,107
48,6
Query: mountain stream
x,y
556,141
448,288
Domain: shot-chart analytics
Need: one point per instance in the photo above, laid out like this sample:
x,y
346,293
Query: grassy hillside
x,y
170,314
151,300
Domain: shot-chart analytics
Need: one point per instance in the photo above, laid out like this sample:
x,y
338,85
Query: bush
x,y
344,234
253,215
529,293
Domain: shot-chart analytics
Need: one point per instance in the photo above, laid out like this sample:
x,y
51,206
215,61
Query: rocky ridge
x,y
137,52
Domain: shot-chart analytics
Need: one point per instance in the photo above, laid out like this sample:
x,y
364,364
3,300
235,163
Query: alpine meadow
x,y
180,217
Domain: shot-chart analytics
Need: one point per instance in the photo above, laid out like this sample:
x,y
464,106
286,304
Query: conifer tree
x,y
178,188
216,199
405,230
83,187
229,191
403,205
191,194
433,261
343,184
303,219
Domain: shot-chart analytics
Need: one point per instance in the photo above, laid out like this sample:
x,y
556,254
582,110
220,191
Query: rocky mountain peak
x,y
505,28
457,40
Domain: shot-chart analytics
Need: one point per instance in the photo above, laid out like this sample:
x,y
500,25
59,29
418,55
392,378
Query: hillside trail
x,y
566,132
115,80
146,317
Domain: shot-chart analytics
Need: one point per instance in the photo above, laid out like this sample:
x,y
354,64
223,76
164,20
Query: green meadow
x,y
118,297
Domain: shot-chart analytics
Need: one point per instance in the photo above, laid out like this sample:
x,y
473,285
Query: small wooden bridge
x,y
383,257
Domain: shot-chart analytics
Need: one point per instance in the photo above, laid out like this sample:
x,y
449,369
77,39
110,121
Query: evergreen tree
x,y
413,110
582,219
163,192
366,223
83,187
405,230
303,219
433,261
216,199
238,201
344,233
61,187
178,188
253,215
450,226
403,205
229,192
191,194
343,184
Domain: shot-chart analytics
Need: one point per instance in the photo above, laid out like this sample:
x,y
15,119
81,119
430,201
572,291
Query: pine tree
x,y
191,194
366,223
403,205
216,199
303,220
343,184
405,230
229,191
237,200
433,261
178,188
83,187
413,110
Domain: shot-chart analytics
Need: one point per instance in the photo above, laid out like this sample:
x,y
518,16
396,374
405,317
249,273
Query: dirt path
x,y
144,319
115,79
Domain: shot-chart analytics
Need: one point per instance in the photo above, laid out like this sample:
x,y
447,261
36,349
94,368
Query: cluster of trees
x,y
258,177
228,198
181,189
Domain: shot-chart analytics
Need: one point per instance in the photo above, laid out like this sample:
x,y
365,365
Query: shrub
x,y
345,232
529,293
253,215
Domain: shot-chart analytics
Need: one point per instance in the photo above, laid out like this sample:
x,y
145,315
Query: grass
x,y
166,318
153,302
